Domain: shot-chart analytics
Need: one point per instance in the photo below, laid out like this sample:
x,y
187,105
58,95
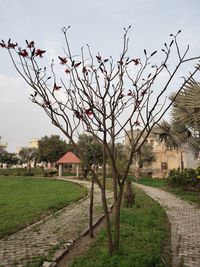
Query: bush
x,y
187,180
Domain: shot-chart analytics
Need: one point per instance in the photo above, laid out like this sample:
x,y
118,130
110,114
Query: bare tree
x,y
106,98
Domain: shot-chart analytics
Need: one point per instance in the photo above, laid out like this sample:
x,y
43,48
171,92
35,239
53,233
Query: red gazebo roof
x,y
69,158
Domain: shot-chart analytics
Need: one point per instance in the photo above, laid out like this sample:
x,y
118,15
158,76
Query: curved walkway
x,y
57,231
185,226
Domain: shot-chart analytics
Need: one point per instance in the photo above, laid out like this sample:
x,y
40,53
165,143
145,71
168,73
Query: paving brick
x,y
185,227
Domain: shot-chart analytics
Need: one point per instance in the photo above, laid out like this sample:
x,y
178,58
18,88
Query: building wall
x,y
33,143
166,159
3,145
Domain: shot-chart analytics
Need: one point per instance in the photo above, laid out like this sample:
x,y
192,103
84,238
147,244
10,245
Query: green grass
x,y
24,200
143,228
38,171
186,195
161,183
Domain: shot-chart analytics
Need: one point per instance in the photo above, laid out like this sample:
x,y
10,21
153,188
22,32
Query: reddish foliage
x,y
120,62
63,60
88,112
137,123
136,61
30,44
77,64
130,93
78,114
3,45
99,59
121,96
23,53
67,71
39,52
143,92
11,45
56,87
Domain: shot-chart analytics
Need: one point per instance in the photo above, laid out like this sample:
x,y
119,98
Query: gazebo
x,y
68,158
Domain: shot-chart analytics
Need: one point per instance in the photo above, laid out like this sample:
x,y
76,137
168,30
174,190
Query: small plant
x,y
186,180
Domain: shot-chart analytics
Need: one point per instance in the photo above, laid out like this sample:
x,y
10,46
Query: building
x,y
3,145
166,159
33,143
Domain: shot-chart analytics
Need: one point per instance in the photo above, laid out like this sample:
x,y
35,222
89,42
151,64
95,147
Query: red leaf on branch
x,y
47,104
99,59
137,123
120,62
77,64
56,87
67,71
130,93
11,45
78,114
39,52
88,112
85,71
30,44
121,96
63,60
136,61
143,92
23,53
2,44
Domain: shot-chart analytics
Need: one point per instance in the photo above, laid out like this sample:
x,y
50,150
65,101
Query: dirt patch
x,y
80,246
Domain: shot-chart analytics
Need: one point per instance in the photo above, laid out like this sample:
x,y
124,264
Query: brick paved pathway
x,y
38,239
185,226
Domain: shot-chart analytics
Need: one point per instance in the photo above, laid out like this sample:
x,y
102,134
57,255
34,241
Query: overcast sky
x,y
99,23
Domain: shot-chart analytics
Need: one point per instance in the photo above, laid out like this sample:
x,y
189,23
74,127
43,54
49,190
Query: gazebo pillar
x,y
60,170
77,170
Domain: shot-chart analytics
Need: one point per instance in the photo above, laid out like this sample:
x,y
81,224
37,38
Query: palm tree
x,y
186,114
28,155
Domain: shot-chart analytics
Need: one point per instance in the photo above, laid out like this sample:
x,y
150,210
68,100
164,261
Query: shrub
x,y
187,180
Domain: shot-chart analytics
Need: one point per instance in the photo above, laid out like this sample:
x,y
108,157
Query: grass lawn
x,y
153,182
143,229
24,200
186,195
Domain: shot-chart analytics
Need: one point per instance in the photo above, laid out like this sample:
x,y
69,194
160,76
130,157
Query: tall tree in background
x,y
8,158
28,155
90,149
50,149
105,98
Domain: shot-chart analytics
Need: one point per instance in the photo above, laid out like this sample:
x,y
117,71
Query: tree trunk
x,y
91,209
108,225
182,163
117,219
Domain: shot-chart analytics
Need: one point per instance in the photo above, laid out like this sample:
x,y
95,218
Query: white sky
x,y
99,23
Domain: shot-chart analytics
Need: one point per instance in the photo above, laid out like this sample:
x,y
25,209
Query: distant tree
x,y
145,155
50,149
28,155
91,150
8,158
